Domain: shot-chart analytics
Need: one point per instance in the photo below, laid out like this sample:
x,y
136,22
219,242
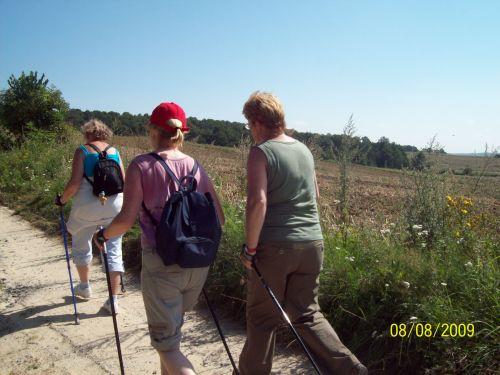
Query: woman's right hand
x,y
58,201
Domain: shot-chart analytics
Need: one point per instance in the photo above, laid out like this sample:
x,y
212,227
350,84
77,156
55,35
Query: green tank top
x,y
292,213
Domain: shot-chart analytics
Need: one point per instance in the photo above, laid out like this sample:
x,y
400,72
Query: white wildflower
x,y
351,259
336,201
468,264
374,333
424,244
413,318
406,284
386,285
425,232
416,227
444,284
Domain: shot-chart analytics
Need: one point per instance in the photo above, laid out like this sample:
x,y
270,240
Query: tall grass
x,y
372,277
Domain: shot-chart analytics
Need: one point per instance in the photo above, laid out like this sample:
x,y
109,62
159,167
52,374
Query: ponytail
x,y
175,139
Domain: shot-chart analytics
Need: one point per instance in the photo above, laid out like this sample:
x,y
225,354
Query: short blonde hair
x,y
96,130
267,109
175,139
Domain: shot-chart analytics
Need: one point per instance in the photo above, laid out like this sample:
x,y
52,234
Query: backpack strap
x,y
94,147
172,176
105,150
88,179
195,169
166,167
192,180
102,154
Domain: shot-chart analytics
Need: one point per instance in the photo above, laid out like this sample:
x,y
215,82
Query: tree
x,y
29,101
418,161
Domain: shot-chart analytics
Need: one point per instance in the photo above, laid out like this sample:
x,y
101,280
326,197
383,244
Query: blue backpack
x,y
189,232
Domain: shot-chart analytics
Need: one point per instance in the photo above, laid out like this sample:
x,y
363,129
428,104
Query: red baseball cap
x,y
164,113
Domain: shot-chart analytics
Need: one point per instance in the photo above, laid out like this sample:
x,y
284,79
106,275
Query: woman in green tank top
x,y
283,235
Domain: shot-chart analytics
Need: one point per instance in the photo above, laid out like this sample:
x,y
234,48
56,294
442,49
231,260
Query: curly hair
x,y
96,130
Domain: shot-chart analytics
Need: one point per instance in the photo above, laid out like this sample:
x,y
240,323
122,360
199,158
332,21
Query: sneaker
x,y
83,292
107,306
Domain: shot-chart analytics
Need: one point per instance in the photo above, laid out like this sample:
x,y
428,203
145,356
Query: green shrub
x,y
30,100
7,139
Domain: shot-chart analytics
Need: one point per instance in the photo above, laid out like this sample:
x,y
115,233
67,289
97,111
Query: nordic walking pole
x,y
112,304
121,283
122,286
220,332
65,240
285,316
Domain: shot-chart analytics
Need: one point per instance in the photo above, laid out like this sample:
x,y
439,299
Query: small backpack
x,y
108,178
189,232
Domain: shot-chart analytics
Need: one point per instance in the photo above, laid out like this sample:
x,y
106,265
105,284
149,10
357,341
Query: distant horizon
x,y
480,153
405,70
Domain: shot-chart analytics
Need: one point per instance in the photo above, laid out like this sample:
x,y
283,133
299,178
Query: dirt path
x,y
38,335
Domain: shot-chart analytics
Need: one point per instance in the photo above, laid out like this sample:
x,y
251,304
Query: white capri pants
x,y
82,249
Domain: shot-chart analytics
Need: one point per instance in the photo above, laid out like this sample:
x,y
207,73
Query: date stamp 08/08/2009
x,y
429,330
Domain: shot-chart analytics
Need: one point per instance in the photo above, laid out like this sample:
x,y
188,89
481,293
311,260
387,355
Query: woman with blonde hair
x,y
283,236
89,211
168,290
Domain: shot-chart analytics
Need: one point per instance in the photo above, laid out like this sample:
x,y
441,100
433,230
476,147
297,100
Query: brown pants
x,y
291,269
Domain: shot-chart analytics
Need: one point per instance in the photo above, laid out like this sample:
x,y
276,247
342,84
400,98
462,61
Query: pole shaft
x,y
212,312
121,283
286,318
65,240
113,313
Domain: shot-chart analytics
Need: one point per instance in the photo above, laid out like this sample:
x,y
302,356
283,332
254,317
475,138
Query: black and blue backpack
x,y
108,177
189,231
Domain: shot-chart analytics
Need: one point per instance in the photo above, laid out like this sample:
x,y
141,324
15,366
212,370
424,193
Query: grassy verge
x,y
369,281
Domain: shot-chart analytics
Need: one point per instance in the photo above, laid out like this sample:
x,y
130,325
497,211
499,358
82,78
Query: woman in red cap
x,y
168,291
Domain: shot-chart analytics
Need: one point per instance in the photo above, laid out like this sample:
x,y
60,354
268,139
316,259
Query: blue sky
x,y
407,70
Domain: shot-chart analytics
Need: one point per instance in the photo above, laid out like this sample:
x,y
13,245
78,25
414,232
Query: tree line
x,y
383,153
30,103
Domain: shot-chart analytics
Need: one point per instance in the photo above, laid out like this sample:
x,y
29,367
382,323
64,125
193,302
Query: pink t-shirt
x,y
157,186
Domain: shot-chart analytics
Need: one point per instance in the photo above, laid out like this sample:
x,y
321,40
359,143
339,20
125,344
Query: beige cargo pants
x,y
292,270
168,292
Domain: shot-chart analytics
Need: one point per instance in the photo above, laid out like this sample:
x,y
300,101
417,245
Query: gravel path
x,y
38,334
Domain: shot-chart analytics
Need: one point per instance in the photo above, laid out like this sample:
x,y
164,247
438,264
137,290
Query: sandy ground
x,y
37,330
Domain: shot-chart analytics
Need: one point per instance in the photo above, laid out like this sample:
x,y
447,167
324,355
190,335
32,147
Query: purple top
x,y
157,187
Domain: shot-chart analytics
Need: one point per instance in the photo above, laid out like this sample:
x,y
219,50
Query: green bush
x,y
7,139
30,100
